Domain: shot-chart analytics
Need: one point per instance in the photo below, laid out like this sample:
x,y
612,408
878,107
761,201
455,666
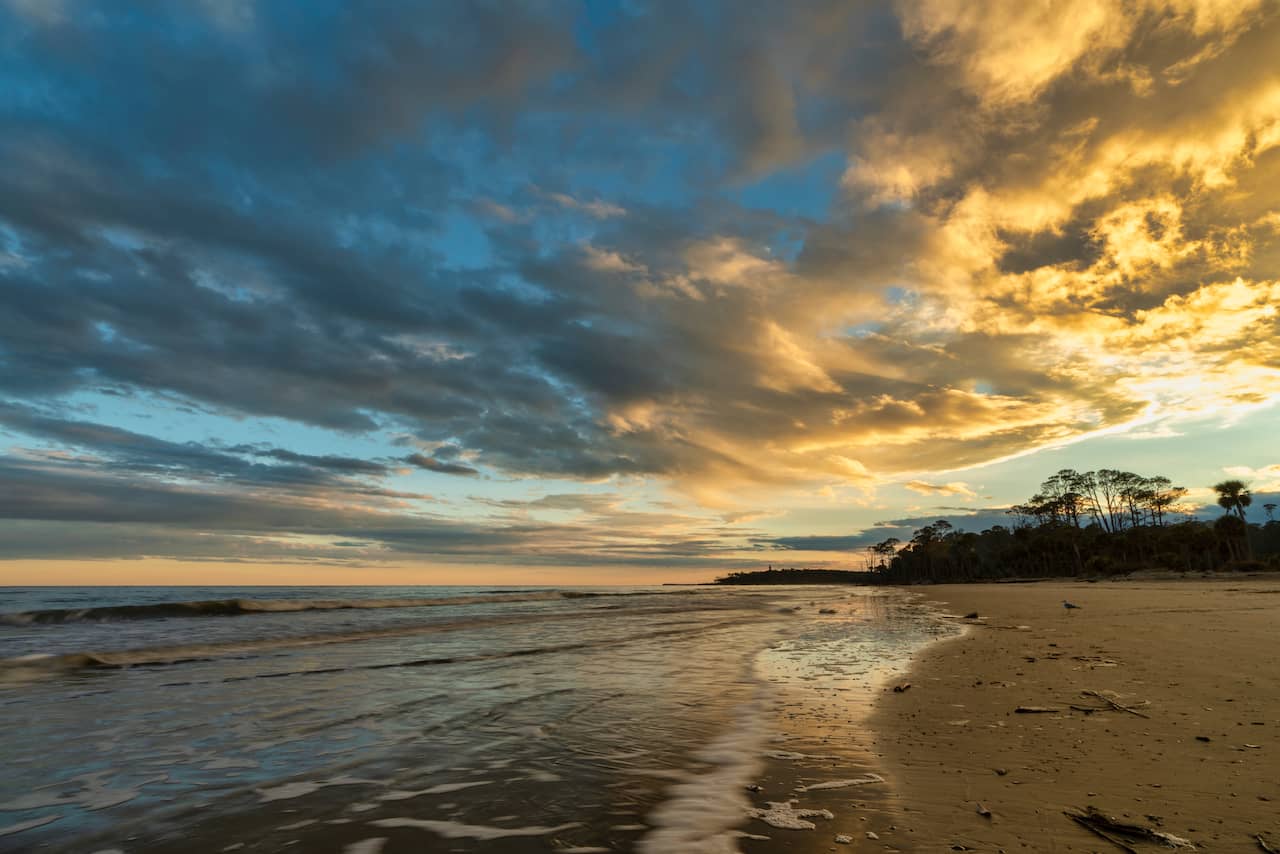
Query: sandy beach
x,y
1198,660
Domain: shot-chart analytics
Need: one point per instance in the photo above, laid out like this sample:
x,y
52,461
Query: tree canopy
x,y
1089,523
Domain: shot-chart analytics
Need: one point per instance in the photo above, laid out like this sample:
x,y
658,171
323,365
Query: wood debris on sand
x,y
1121,833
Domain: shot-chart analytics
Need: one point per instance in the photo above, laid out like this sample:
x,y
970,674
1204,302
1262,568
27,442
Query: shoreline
x,y
820,757
1196,659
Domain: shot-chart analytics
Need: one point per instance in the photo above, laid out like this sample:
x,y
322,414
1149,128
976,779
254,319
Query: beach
x,y
760,720
1197,660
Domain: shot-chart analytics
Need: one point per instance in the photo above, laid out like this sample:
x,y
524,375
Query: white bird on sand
x,y
1069,606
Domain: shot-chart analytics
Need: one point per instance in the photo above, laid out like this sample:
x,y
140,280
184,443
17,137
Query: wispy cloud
x,y
955,487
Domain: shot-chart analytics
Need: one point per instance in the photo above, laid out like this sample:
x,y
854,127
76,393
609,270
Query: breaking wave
x,y
30,667
241,607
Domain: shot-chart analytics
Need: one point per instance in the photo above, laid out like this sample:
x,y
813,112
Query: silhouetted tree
x,y
1163,496
886,549
1110,484
1233,495
1102,522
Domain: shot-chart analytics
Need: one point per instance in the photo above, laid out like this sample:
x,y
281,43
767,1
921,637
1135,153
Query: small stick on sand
x,y
1119,707
1262,843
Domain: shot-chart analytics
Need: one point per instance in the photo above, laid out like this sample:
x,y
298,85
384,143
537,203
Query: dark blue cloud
x,y
901,529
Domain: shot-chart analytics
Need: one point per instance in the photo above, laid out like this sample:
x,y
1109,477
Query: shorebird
x,y
1069,606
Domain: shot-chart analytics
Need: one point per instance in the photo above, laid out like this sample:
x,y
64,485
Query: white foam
x,y
288,791
702,810
27,825
443,788
373,845
541,776
784,816
742,834
101,799
864,780
34,802
458,830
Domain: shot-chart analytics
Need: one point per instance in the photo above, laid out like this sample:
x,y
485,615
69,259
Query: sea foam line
x,y
703,810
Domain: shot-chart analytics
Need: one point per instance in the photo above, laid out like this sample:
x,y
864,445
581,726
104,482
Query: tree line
x,y
1103,522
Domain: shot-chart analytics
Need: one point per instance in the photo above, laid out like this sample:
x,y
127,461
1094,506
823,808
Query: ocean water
x,y
364,720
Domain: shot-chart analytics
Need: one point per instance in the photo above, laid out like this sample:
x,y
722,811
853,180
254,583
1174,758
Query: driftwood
x,y
1087,825
1119,707
1088,710
1117,832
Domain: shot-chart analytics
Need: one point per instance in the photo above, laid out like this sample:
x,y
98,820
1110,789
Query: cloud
x,y
1010,52
956,487
822,543
594,208
137,453
79,509
422,461
745,257
1261,479
900,529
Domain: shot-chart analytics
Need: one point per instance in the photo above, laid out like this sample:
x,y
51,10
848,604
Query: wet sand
x,y
819,757
1200,659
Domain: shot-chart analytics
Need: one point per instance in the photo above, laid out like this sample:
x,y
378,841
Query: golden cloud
x,y
1090,251
955,487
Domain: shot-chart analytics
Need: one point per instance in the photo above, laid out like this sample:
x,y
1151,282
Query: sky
x,y
587,292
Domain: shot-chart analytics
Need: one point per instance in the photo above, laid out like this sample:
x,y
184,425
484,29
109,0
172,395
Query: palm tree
x,y
1233,495
1233,533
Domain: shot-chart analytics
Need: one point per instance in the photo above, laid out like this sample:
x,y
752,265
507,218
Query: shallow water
x,y
465,718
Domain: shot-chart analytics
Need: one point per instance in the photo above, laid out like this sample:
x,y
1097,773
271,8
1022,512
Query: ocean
x,y
374,719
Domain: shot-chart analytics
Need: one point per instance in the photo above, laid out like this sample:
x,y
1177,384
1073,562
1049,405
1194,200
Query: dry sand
x,y
1200,658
